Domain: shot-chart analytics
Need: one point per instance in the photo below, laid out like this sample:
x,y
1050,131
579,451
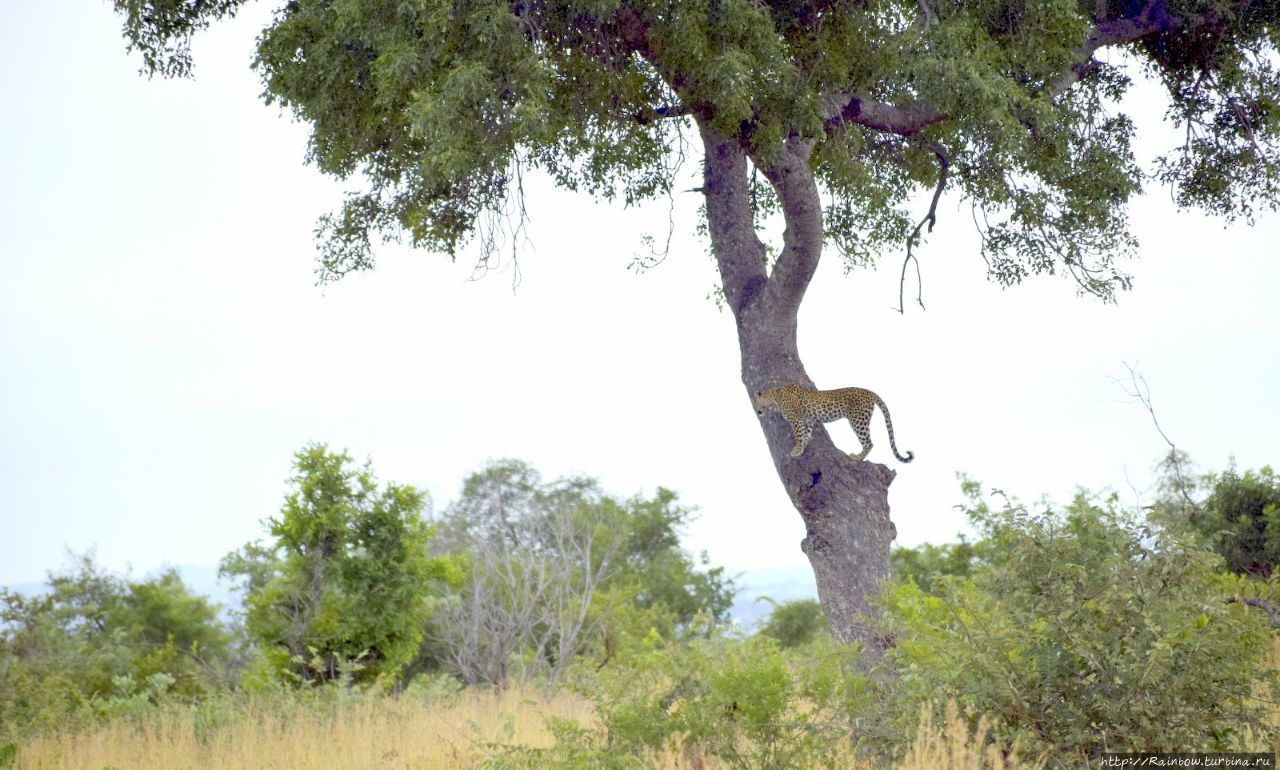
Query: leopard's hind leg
x,y
861,424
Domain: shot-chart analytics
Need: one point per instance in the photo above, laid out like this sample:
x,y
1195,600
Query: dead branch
x,y
930,218
1138,389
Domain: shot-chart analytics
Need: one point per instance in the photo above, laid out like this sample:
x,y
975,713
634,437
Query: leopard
x,y
805,407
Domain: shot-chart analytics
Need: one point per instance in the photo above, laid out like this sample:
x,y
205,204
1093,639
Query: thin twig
x,y
1137,388
930,218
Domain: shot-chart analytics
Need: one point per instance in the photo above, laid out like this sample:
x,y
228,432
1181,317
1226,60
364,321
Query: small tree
x,y
346,585
533,597
556,567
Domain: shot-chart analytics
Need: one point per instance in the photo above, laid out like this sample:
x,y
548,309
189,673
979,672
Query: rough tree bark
x,y
844,504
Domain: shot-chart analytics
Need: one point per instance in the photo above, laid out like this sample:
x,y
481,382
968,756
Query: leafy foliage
x,y
95,644
740,701
440,107
345,588
1085,632
1240,518
795,623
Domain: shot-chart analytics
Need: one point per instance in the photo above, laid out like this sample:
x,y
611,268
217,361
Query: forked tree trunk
x,y
844,504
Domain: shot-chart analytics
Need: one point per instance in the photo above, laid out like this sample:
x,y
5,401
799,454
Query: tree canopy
x,y
438,108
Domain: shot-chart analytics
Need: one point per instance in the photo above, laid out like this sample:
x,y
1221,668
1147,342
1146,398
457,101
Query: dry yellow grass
x,y
368,732
378,732
954,748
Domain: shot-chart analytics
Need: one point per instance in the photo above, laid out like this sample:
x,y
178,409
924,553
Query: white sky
x,y
164,350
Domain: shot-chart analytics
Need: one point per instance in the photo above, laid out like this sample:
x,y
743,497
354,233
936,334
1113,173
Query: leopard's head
x,y
762,401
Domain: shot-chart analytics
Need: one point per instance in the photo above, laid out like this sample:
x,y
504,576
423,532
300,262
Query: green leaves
x,y
437,107
98,645
161,30
346,587
1079,622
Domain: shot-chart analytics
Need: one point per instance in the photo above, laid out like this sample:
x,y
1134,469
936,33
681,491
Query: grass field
x,y
358,731
361,732
378,732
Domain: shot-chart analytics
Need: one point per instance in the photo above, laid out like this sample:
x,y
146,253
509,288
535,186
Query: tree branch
x,y
1139,390
930,218
730,218
1149,18
793,180
1266,607
653,114
857,109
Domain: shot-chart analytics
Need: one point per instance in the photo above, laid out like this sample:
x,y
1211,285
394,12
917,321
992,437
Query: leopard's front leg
x,y
801,432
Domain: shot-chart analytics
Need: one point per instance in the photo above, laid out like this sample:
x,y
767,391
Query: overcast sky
x,y
164,348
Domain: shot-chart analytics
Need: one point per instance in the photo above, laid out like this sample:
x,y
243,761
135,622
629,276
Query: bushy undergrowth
x,y
743,702
1056,636
1088,633
1083,632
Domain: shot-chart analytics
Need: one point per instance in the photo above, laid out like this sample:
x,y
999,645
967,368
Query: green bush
x,y
1084,632
744,702
343,590
795,623
927,563
95,644
1240,519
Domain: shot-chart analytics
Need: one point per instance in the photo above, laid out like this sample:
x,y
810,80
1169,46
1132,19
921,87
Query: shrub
x,y
744,702
1084,632
795,623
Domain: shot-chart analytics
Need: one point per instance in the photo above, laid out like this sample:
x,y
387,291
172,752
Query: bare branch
x,y
1138,389
931,218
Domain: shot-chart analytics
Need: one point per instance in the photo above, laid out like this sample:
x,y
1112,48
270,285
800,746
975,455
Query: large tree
x,y
835,114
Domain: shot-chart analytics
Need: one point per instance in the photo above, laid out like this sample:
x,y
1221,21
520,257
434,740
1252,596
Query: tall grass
x,y
362,731
374,731
352,731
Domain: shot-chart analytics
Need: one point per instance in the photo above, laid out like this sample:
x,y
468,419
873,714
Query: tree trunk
x,y
844,504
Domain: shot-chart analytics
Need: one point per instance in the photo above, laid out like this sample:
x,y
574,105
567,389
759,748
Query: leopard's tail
x,y
888,423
